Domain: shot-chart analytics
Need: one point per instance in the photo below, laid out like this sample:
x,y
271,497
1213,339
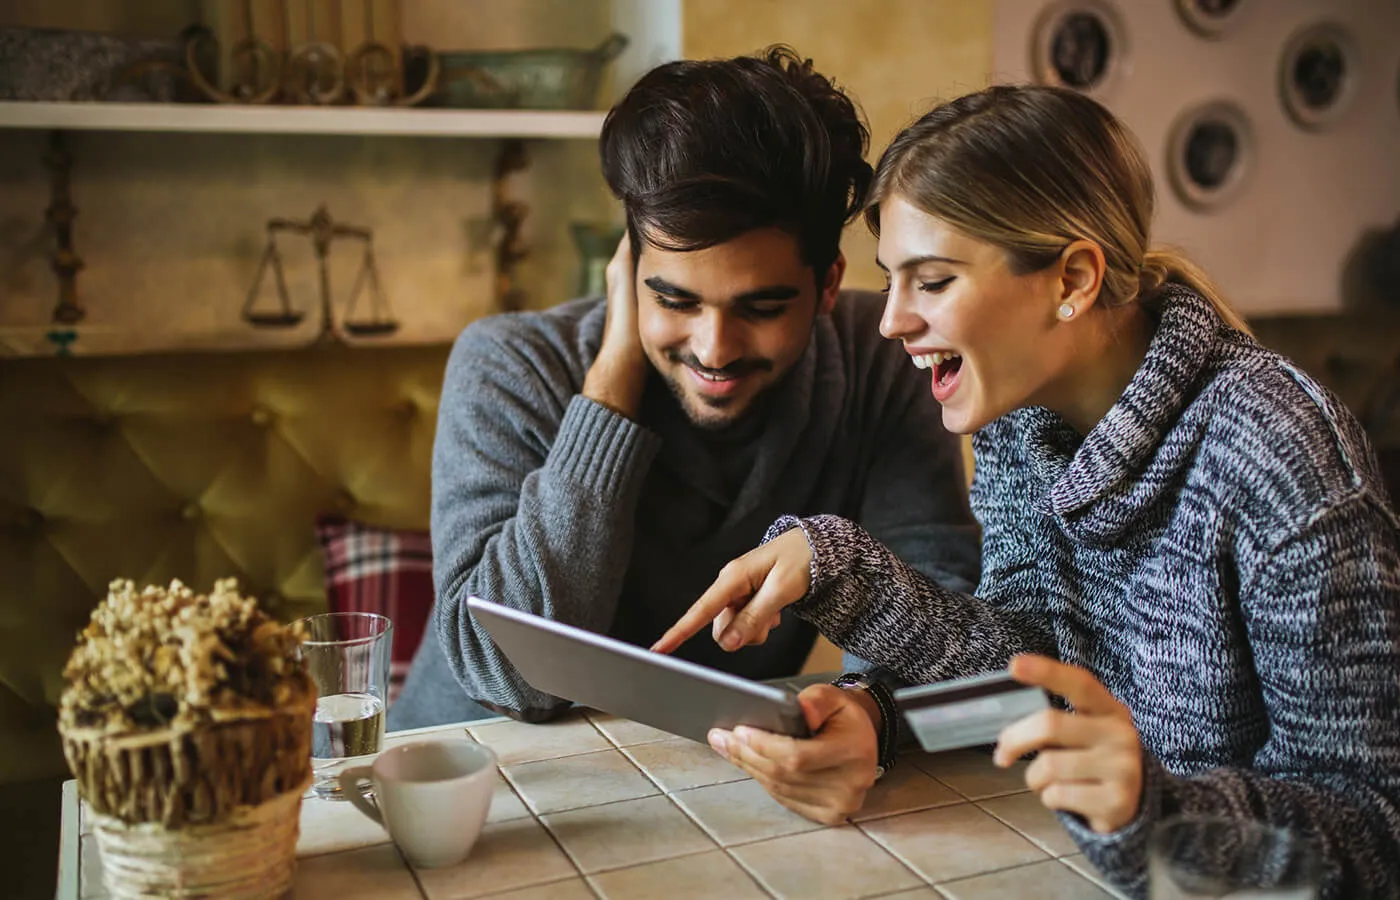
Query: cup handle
x,y
350,785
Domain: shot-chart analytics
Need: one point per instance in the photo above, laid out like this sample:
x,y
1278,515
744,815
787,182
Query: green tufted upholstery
x,y
196,466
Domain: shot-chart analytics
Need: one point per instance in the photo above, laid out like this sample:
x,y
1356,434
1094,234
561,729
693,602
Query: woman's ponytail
x,y
1164,265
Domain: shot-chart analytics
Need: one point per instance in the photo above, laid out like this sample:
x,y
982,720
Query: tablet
x,y
680,697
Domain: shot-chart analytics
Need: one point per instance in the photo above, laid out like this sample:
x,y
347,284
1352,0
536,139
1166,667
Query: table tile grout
x,y
928,881
1040,862
412,872
1025,834
956,798
577,876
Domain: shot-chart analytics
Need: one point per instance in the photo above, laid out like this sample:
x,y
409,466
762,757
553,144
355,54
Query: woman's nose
x,y
899,319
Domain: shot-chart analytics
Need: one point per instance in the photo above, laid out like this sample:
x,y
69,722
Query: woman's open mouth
x,y
946,366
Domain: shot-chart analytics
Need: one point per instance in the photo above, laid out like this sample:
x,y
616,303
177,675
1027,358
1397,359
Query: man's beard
x,y
688,401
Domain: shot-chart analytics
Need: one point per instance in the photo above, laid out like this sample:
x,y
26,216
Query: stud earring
x,y
1066,311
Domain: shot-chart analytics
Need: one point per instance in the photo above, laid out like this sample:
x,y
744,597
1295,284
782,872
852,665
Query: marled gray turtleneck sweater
x,y
1221,553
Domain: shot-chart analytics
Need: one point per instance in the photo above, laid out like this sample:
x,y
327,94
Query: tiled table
x,y
596,806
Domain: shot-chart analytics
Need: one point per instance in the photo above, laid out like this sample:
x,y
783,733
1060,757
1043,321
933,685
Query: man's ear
x,y
831,285
1081,274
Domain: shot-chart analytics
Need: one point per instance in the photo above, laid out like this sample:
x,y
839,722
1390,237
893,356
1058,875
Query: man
x,y
597,463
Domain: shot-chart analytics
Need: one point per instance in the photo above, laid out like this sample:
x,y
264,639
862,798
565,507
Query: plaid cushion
x,y
380,570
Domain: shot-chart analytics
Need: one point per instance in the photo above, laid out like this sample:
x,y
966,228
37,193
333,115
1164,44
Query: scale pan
x,y
274,320
371,329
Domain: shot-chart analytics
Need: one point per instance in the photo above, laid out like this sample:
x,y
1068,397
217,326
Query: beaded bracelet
x,y
888,734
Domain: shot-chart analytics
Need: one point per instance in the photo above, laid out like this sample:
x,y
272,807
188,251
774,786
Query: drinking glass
x,y
1193,857
347,655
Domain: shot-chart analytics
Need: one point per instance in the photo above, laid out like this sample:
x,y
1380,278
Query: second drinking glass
x,y
347,655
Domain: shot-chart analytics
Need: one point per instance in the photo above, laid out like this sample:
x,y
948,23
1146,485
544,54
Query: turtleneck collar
x,y
1098,485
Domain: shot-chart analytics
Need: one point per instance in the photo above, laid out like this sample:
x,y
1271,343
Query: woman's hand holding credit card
x,y
1089,761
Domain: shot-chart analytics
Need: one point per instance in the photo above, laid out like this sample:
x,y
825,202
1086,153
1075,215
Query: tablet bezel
x,y
674,695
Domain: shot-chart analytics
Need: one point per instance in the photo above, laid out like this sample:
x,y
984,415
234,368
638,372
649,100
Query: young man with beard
x,y
598,462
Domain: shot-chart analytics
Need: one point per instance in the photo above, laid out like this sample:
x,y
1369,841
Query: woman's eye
x,y
933,287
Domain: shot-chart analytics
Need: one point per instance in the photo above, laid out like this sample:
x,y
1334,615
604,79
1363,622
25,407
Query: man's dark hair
x,y
700,152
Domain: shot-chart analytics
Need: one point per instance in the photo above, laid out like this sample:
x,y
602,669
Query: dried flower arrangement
x,y
187,721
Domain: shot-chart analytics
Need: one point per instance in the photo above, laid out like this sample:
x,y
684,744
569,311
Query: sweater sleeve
x,y
1323,617
870,602
534,494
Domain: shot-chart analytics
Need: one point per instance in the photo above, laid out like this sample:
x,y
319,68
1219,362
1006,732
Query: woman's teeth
x,y
930,360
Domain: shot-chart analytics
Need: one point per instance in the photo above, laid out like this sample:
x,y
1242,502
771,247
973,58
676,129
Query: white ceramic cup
x,y
431,796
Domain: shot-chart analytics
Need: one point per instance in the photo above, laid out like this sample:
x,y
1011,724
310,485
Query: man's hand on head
x,y
619,373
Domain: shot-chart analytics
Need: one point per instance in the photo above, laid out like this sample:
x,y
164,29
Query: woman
x,y
1184,536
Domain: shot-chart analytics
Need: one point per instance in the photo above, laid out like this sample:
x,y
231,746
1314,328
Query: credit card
x,y
967,712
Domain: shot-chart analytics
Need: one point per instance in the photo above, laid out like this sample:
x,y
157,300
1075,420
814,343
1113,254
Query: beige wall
x,y
895,57
171,227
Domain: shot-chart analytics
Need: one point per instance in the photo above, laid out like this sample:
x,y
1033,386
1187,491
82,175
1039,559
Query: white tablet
x,y
680,697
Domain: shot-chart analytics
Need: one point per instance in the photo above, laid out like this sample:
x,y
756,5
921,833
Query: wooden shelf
x,y
192,117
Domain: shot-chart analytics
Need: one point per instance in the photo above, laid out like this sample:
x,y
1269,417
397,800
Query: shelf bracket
x,y
60,215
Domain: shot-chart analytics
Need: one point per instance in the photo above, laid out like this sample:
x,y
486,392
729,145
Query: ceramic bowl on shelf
x,y
525,79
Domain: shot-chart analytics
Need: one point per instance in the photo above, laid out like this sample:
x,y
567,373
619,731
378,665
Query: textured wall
x,y
896,57
171,226
1289,238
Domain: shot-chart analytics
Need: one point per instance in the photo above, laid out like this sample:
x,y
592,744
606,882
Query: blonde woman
x,y
1184,535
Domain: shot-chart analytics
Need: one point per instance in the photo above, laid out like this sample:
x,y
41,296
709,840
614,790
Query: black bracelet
x,y
888,734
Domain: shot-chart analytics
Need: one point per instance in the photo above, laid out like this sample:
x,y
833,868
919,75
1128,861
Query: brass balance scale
x,y
323,231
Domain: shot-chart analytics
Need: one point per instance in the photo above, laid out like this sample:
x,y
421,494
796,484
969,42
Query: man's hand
x,y
1090,761
619,373
747,599
825,777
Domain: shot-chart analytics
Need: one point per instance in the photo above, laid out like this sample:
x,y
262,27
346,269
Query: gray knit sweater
x,y
554,504
1221,553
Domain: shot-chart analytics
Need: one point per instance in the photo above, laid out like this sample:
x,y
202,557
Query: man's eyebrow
x,y
664,287
913,261
774,292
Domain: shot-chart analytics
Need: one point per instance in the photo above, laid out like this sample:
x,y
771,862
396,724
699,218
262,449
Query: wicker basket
x,y
250,853
207,812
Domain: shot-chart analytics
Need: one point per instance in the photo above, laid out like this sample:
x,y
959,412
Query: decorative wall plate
x,y
1079,44
1318,74
1210,18
1210,153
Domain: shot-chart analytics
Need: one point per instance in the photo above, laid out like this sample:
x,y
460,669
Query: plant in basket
x,y
186,722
